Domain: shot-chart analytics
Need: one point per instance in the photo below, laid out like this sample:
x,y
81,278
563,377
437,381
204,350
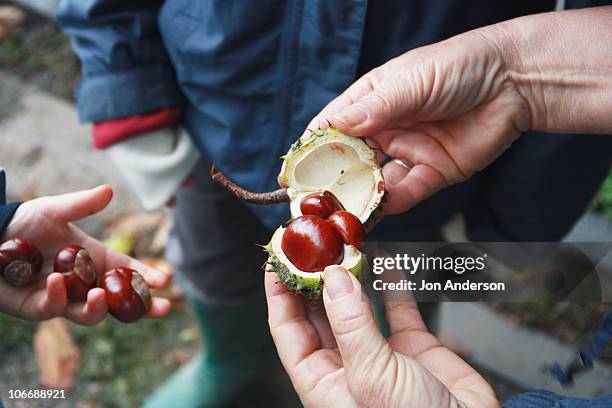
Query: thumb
x,y
80,204
364,351
370,114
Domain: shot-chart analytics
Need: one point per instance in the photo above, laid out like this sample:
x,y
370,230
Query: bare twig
x,y
272,197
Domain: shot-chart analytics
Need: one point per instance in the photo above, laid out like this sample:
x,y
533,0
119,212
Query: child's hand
x,y
46,222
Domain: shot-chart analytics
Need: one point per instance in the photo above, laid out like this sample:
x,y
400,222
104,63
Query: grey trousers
x,y
213,243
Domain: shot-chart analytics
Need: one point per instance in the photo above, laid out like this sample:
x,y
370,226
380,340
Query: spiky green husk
x,y
306,284
311,288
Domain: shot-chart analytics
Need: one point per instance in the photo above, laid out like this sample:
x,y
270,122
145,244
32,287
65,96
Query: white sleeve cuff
x,y
156,164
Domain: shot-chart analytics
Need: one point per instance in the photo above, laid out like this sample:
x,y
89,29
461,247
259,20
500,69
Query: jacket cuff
x,y
541,399
113,131
126,93
6,215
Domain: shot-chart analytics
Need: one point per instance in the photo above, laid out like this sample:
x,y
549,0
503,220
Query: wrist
x,y
517,41
558,64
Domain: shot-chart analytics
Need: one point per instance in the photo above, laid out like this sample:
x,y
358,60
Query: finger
x,y
318,318
160,307
409,334
296,338
420,146
433,167
53,303
107,259
358,89
381,157
154,278
360,342
75,206
373,112
398,302
406,187
293,333
91,312
410,337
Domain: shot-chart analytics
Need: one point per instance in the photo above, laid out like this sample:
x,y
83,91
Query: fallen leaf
x,y
120,242
160,264
161,237
146,229
11,19
171,292
177,358
57,356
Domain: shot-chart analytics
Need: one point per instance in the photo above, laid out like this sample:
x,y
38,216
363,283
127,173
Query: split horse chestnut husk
x,y
334,187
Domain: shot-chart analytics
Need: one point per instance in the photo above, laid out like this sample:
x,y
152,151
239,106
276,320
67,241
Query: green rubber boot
x,y
238,362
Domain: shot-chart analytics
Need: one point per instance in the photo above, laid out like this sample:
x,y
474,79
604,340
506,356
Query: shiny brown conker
x,y
321,204
311,244
127,294
78,269
20,261
349,226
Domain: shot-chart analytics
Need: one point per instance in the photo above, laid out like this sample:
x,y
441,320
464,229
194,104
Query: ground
x,y
117,371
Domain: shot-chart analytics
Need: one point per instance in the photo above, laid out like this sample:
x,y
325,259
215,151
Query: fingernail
x,y
394,174
352,116
372,143
337,282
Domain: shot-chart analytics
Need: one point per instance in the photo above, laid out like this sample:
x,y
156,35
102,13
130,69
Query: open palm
x,y
47,223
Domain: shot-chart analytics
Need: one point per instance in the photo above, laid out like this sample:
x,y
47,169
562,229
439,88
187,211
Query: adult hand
x,y
451,108
336,357
47,222
448,109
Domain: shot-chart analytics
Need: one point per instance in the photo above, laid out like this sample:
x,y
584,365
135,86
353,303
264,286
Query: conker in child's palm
x,y
311,244
20,261
77,267
127,294
320,204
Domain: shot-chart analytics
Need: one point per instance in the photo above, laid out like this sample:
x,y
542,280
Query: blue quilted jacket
x,y
251,74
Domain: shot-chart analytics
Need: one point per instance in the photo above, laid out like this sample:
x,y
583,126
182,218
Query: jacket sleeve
x,y
547,399
6,210
126,70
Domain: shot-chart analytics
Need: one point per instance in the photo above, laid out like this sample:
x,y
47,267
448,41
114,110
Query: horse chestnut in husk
x,y
349,226
320,204
77,267
127,294
20,261
323,172
311,244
